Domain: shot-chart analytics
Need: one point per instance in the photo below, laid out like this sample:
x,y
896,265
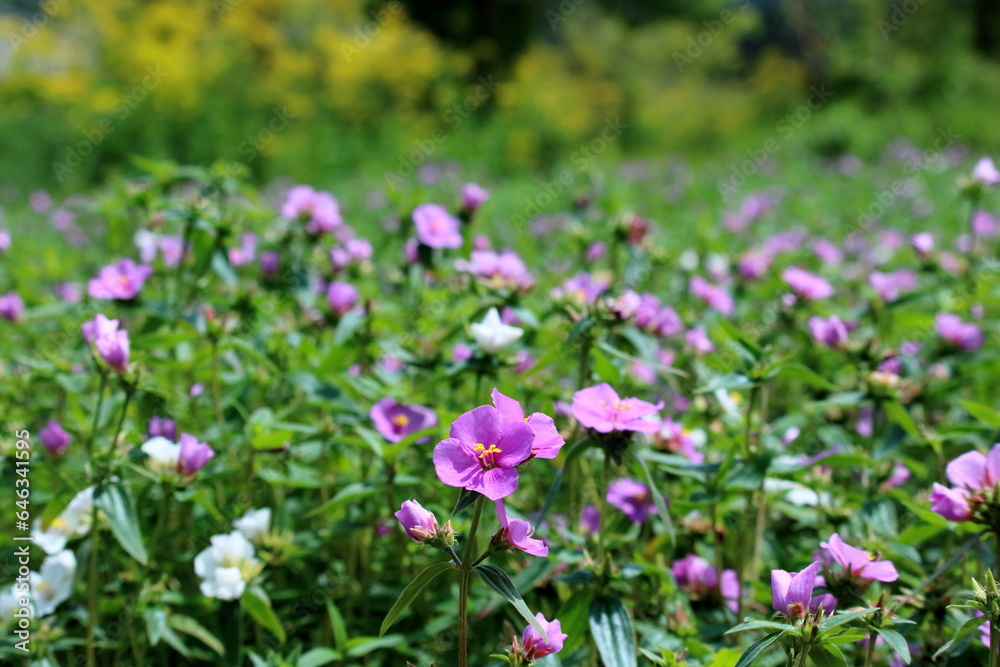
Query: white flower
x,y
53,583
492,334
161,455
226,566
74,521
795,493
255,524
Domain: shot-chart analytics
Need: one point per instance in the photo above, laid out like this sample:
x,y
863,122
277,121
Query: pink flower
x,y
193,455
698,340
436,228
244,253
889,285
418,523
111,342
974,475
473,196
600,408
582,289
319,210
483,453
856,562
676,438
952,504
547,441
792,592
11,306
164,427
755,263
831,332
53,438
341,296
497,269
4,241
461,352
923,244
70,292
121,280
518,534
395,421
963,335
984,223
714,296
172,249
807,285
827,251
269,262
985,172
633,498
900,473
40,201
354,251
535,647
596,251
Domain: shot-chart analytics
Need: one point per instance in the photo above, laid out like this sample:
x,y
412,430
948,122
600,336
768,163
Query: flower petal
x,y
510,410
479,426
455,463
515,444
495,484
968,470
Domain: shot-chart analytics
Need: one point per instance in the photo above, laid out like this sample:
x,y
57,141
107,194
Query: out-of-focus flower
x,y
53,438
342,296
70,292
755,263
827,252
269,262
792,592
984,223
965,336
547,441
461,352
185,457
497,269
121,280
600,408
11,306
517,534
319,210
245,252
889,285
953,504
697,339
74,521
111,343
856,563
40,201
633,498
831,332
975,476
697,577
675,438
53,583
596,251
254,524
192,455
714,296
807,285
582,289
172,249
492,334
483,453
923,244
473,196
590,519
535,646
354,251
985,172
900,473
162,426
4,241
227,566
396,421
436,228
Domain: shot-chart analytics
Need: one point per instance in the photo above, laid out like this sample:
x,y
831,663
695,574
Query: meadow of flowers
x,y
649,418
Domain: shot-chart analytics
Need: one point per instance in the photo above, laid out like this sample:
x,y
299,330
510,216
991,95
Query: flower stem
x,y
803,655
97,415
217,397
92,587
994,644
463,586
870,654
602,504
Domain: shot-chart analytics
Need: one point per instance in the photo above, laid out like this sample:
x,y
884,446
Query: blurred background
x,y
318,90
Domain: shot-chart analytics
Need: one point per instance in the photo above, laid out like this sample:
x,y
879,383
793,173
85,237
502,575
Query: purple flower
x,y
831,332
53,438
984,223
755,263
483,453
923,244
319,210
900,473
341,296
596,251
590,519
395,421
676,438
69,292
164,427
535,646
269,262
974,475
40,201
985,172
600,408
436,228
582,289
497,269
714,296
791,592
172,249
473,196
952,504
354,251
193,455
889,285
696,577
121,280
827,252
856,562
965,336
418,523
697,339
633,498
11,306
461,352
4,241
518,534
242,254
547,441
807,285
111,342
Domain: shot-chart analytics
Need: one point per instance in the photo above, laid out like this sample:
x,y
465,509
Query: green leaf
x,y
982,412
827,655
898,414
318,657
727,382
967,628
662,517
756,625
189,626
337,625
840,618
755,650
465,499
259,607
498,580
796,371
115,501
612,631
411,591
896,641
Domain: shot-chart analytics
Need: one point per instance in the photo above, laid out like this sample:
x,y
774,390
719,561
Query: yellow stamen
x,y
483,450
400,420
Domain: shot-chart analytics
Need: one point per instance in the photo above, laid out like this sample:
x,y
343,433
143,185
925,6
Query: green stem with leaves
x,y
217,397
870,653
92,588
463,586
97,414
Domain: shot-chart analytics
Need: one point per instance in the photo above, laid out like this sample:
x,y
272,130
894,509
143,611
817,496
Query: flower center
x,y
122,280
400,422
486,454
